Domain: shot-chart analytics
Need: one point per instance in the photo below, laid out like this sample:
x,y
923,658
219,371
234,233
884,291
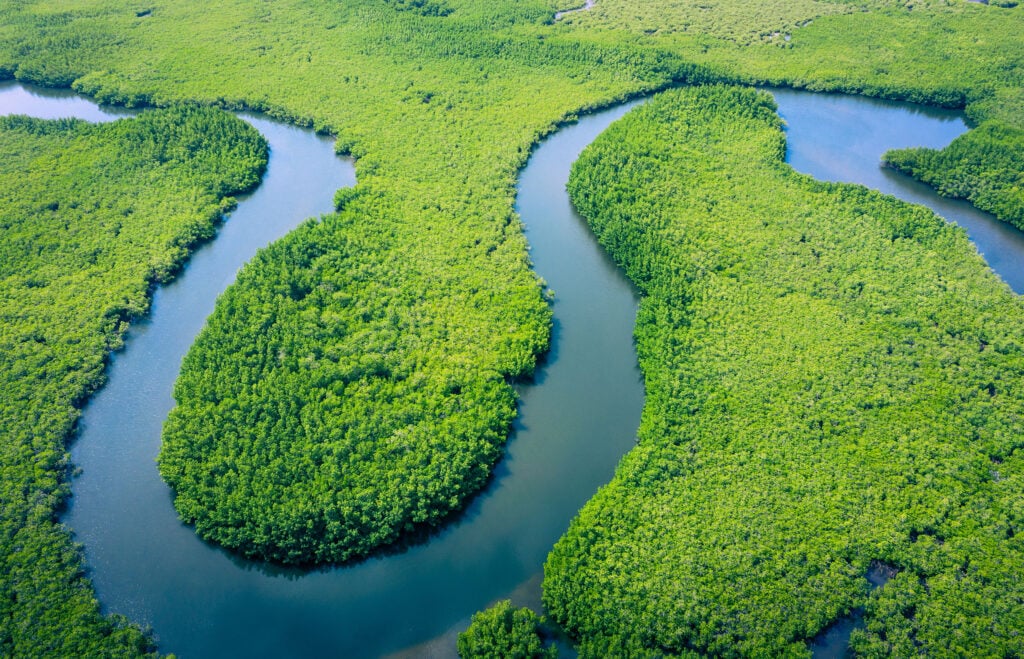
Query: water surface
x,y
576,420
834,137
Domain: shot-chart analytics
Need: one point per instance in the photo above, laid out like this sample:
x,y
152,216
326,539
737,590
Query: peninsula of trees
x,y
834,380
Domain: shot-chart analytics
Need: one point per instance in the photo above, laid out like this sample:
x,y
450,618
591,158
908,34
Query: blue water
x,y
576,420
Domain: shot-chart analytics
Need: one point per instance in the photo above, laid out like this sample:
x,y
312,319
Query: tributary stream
x,y
576,419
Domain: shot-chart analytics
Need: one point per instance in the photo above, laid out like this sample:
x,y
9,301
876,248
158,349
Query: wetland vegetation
x,y
982,166
505,631
833,383
93,217
356,381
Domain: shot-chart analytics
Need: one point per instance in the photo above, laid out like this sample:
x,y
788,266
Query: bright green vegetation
x,y
833,378
728,21
332,403
932,51
397,324
504,631
354,385
951,53
92,216
984,166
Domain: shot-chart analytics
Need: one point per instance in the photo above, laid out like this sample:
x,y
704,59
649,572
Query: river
x,y
834,137
576,419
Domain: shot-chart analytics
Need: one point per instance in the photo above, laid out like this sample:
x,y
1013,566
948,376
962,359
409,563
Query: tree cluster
x,y
984,166
505,631
833,381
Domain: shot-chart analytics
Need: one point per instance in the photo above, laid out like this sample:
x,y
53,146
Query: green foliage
x,y
833,378
732,21
935,51
92,216
416,300
354,385
951,53
313,425
1006,105
507,632
983,166
440,103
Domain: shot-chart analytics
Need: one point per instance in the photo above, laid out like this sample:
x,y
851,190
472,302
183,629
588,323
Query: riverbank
x,y
94,218
833,384
487,569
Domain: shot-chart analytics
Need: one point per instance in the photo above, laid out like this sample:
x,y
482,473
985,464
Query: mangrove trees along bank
x,y
334,401
984,166
834,381
419,287
93,216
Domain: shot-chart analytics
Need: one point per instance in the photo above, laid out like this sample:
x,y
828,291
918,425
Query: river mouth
x,y
577,419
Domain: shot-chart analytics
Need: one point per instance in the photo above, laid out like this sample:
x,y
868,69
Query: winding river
x,y
576,420
834,137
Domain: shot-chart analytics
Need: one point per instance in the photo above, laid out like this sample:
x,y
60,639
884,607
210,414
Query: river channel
x,y
576,419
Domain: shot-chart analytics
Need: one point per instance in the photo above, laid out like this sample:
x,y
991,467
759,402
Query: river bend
x,y
576,419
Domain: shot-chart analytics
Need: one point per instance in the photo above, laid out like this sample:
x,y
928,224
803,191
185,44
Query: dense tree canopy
x,y
504,631
91,216
833,379
396,324
984,166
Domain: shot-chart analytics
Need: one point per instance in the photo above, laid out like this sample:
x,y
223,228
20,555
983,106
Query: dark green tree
x,y
506,632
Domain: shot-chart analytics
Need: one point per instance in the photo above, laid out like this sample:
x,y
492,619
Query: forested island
x,y
831,374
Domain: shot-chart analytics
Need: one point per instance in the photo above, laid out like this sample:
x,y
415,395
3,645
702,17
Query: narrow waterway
x,y
834,137
576,420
